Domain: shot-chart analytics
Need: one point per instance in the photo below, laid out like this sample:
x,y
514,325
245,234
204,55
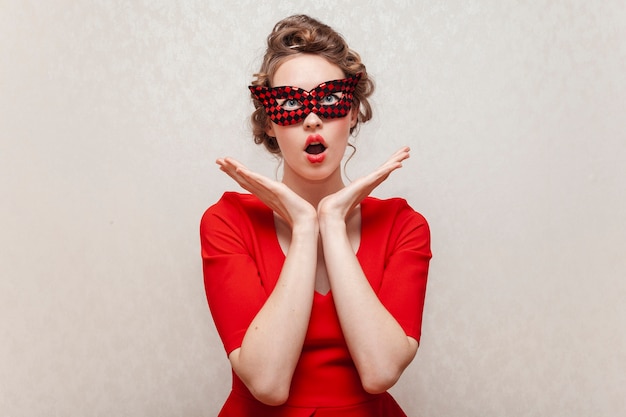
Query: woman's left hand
x,y
378,345
340,204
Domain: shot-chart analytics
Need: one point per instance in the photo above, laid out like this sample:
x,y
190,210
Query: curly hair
x,y
302,34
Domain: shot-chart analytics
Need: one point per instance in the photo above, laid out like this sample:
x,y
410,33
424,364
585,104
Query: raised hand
x,y
281,199
340,204
378,345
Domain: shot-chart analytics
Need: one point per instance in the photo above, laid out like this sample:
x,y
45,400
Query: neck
x,y
313,191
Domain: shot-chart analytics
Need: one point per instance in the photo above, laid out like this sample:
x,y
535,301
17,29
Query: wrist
x,y
306,227
332,224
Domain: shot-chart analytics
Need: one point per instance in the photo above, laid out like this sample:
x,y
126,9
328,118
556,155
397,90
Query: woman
x,y
316,289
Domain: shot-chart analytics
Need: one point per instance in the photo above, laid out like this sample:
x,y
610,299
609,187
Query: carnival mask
x,y
290,105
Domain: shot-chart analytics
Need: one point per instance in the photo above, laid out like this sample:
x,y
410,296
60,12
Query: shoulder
x,y
392,210
394,221
233,207
235,202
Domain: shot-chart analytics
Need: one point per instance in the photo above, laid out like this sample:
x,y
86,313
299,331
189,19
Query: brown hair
x,y
303,34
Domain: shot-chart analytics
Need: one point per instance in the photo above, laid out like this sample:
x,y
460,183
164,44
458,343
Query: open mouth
x,y
315,149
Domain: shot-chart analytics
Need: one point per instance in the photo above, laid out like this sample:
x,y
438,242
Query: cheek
x,y
285,136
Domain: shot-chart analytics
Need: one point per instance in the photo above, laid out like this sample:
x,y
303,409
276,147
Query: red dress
x,y
242,260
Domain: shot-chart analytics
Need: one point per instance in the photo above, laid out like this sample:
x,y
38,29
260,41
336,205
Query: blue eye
x,y
290,104
330,100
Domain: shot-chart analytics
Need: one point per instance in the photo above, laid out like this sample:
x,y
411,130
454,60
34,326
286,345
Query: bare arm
x,y
379,346
271,347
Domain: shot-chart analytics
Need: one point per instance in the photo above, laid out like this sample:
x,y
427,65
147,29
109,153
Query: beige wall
x,y
112,113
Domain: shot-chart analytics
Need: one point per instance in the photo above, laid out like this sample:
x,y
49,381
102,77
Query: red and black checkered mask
x,y
290,105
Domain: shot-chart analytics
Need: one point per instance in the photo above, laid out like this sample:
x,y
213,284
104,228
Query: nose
x,y
312,121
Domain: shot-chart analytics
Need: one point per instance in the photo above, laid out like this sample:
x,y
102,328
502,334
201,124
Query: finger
x,y
228,168
397,157
401,154
243,171
229,164
240,174
375,178
395,161
265,189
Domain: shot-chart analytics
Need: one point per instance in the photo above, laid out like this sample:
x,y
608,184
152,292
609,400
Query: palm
x,y
276,195
342,202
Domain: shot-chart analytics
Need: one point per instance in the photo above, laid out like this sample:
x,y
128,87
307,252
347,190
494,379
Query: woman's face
x,y
314,148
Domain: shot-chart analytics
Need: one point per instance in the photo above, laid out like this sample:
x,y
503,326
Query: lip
x,y
315,158
315,139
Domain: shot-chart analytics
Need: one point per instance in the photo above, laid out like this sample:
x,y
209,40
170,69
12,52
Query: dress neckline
x,y
278,247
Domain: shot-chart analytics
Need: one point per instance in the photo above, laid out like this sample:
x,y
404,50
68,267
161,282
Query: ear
x,y
354,116
269,130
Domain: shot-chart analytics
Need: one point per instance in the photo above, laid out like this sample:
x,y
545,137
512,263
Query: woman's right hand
x,y
281,199
272,345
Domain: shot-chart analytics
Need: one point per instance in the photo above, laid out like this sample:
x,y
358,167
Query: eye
x,y
290,104
330,99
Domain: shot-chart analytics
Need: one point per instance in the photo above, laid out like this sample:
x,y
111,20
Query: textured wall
x,y
112,113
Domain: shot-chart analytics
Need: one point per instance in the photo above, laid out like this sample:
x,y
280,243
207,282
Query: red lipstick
x,y
315,149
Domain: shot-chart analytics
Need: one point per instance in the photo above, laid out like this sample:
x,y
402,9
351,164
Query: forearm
x,y
273,343
379,346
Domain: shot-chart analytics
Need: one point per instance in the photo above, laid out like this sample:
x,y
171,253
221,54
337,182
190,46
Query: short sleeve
x,y
403,287
231,277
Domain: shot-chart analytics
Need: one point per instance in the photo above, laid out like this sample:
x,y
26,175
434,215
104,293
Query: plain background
x,y
113,112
